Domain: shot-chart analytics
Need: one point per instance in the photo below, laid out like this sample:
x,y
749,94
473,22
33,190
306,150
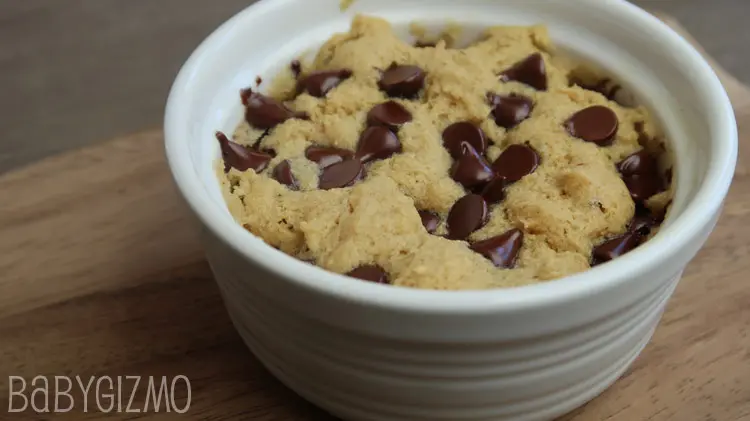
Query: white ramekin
x,y
373,352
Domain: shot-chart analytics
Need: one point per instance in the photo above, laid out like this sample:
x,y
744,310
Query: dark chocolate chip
x,y
326,156
638,163
494,191
467,215
641,187
265,112
390,114
430,220
463,131
318,84
510,110
296,67
283,174
471,169
371,273
529,71
341,174
377,142
241,157
502,249
600,87
597,124
515,162
615,247
642,224
402,81
425,44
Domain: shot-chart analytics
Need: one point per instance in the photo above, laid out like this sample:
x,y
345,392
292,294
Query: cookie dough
x,y
495,165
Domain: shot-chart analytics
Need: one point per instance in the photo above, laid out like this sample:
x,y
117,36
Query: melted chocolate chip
x,y
318,84
371,273
341,174
283,174
425,44
641,175
463,131
638,163
509,110
265,112
326,156
642,224
641,187
515,162
390,114
296,67
600,87
494,191
597,124
529,71
377,142
471,169
467,215
430,220
614,247
402,81
241,157
502,249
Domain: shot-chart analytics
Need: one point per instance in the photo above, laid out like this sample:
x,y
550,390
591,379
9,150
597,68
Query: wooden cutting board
x,y
101,274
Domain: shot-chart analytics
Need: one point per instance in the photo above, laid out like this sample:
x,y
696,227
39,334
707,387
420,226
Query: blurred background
x,y
78,72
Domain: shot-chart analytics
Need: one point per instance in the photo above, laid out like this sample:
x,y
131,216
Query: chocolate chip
x,y
377,142
494,191
642,224
467,215
296,67
614,247
425,44
390,114
515,162
326,156
264,112
641,187
283,174
600,87
402,81
471,170
638,163
318,84
641,175
371,273
529,71
241,157
430,220
509,110
341,174
502,249
258,80
597,124
463,131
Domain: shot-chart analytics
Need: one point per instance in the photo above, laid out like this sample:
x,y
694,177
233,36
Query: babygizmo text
x,y
135,394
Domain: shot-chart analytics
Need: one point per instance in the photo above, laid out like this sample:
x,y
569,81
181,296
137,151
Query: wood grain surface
x,y
101,274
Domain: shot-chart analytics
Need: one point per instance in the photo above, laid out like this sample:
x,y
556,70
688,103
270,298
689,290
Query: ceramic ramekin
x,y
365,351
